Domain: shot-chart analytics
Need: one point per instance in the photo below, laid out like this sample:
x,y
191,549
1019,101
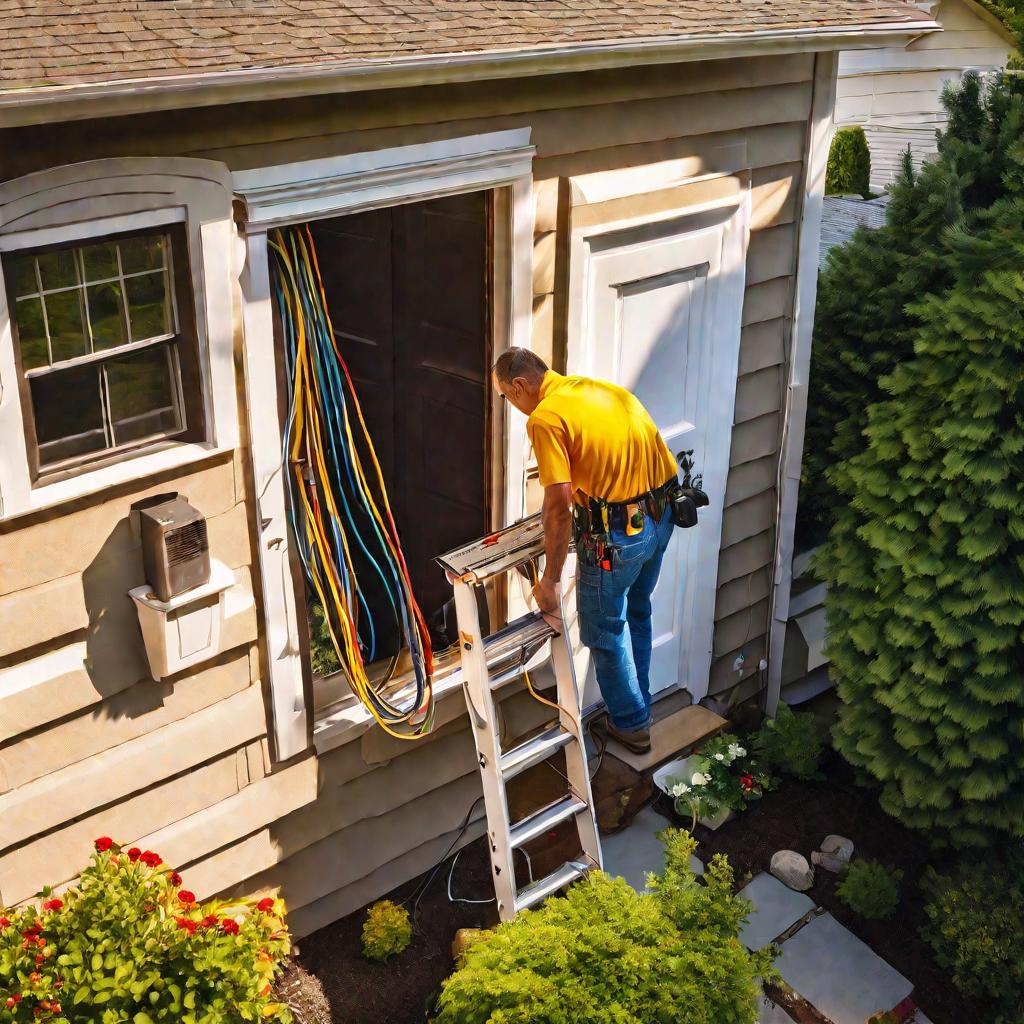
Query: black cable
x,y
420,891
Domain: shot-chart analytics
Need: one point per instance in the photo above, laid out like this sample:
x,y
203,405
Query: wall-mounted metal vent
x,y
175,547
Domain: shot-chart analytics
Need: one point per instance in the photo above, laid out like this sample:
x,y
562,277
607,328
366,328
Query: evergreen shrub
x,y
849,163
976,930
925,560
386,930
128,943
608,955
869,889
790,743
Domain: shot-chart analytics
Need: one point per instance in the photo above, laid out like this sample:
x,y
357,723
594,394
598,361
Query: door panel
x,y
661,317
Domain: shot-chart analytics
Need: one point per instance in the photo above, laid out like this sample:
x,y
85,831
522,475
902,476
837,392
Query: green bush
x,y
869,889
386,930
127,943
608,955
323,658
849,163
976,929
789,743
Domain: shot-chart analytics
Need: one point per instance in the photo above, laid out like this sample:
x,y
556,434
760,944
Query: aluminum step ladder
x,y
487,666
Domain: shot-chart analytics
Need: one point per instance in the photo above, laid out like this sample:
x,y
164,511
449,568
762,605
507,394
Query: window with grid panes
x,y
106,349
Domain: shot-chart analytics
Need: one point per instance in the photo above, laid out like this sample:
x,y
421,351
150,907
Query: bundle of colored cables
x,y
337,506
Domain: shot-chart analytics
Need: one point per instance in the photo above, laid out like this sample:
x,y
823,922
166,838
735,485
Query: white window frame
x,y
79,202
315,189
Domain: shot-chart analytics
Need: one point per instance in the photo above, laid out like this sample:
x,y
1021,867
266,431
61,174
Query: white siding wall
x,y
894,92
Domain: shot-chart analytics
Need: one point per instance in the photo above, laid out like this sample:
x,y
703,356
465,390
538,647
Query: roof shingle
x,y
69,42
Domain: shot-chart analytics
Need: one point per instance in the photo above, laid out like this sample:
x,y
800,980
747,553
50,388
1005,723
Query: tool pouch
x,y
684,509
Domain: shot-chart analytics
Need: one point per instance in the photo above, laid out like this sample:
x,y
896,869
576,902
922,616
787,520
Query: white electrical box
x,y
185,630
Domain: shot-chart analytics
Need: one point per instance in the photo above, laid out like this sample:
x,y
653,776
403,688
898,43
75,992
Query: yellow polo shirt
x,y
598,437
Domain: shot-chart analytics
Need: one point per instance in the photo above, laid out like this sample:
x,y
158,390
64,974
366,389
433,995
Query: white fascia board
x,y
116,98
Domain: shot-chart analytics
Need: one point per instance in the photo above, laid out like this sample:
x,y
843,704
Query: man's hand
x,y
545,593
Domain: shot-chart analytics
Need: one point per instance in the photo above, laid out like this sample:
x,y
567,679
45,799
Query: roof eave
x,y
50,104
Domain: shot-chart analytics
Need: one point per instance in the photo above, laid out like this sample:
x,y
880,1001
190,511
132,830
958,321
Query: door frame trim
x,y
677,198
294,193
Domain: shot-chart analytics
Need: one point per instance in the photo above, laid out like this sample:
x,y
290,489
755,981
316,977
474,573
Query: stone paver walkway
x,y
634,851
777,908
838,974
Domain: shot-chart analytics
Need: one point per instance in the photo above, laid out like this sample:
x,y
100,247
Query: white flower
x,y
680,789
699,779
735,750
719,757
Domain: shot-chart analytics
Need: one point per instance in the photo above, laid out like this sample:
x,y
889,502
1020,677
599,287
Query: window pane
x,y
142,396
106,315
100,261
147,306
68,413
20,272
142,253
28,314
67,332
58,269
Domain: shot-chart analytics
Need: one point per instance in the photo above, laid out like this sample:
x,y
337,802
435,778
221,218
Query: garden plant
x,y
789,743
128,943
849,163
870,889
925,560
609,955
386,930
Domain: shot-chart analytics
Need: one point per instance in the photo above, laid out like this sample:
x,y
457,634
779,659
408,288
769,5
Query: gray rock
x,y
792,869
839,847
828,861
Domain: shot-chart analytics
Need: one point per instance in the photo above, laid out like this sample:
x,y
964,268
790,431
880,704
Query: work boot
x,y
636,741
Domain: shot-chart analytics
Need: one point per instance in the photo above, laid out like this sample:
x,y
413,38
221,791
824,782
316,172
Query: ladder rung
x,y
498,552
545,887
530,630
533,751
545,819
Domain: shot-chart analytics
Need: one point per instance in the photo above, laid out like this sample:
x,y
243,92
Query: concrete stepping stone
x,y
777,907
634,851
838,974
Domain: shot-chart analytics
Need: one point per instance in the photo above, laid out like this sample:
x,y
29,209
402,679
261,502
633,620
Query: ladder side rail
x,y
486,732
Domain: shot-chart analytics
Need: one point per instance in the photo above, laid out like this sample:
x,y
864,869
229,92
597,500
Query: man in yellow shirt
x,y
605,470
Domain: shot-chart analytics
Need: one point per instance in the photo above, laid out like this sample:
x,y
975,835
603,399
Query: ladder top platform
x,y
497,552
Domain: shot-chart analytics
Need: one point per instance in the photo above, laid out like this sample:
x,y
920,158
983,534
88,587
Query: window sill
x,y
45,496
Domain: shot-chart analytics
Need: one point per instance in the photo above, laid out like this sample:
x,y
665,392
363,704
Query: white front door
x,y
661,317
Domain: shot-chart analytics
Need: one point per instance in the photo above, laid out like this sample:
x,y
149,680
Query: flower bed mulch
x,y
798,816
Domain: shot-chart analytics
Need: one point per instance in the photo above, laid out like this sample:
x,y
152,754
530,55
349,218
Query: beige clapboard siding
x,y
311,872
133,767
772,251
69,542
747,518
723,676
745,557
768,300
42,613
751,478
123,717
734,631
739,594
762,344
61,854
758,394
754,439
773,201
305,920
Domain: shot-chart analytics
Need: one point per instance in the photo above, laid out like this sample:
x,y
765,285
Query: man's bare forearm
x,y
557,519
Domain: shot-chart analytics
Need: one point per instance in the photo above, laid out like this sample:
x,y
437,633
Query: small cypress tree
x,y
926,561
849,163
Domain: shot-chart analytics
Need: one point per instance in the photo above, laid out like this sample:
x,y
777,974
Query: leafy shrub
x,y
127,943
386,930
869,889
323,658
608,955
849,163
790,743
721,776
976,928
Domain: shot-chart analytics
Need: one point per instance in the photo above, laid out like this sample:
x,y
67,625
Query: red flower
x,y
104,843
747,781
147,907
175,879
33,929
35,977
40,941
186,924
11,1002
266,905
16,997
150,858
55,1007
229,927
40,959
134,854
186,897
5,922
209,921
53,904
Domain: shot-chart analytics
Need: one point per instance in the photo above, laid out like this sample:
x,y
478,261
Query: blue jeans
x,y
615,619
